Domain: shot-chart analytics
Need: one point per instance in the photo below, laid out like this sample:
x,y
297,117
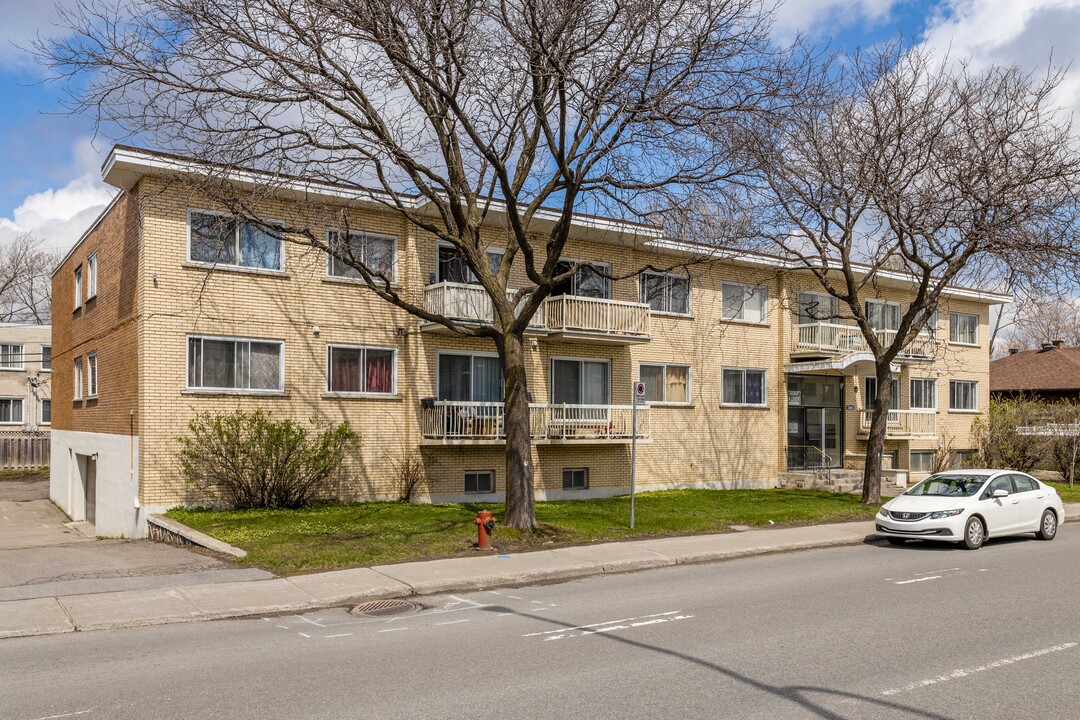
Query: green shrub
x,y
246,460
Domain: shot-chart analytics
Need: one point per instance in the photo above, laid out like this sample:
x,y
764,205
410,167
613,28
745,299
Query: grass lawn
x,y
1067,495
327,537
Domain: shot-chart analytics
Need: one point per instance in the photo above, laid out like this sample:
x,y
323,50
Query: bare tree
x,y
549,108
922,169
1041,319
25,283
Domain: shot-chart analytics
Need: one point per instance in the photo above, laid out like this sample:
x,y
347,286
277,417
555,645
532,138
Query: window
x,y
883,315
479,481
575,478
91,276
235,364
745,303
1023,483
470,378
452,268
929,330
378,253
665,383
11,357
78,287
743,387
223,239
580,382
46,358
78,379
963,395
818,307
586,281
46,412
923,394
11,411
91,375
361,370
666,293
922,461
964,328
870,387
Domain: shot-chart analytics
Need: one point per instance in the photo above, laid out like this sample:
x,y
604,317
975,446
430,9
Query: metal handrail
x,y
826,464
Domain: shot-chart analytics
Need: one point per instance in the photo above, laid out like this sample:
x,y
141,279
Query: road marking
x,y
921,579
956,674
613,628
338,635
513,597
393,629
64,715
454,622
303,634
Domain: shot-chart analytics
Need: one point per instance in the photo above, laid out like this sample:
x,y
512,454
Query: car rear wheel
x,y
896,541
974,534
1047,526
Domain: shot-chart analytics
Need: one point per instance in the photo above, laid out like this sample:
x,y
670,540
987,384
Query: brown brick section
x,y
106,324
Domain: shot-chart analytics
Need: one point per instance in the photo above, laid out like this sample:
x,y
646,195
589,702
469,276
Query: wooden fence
x,y
24,450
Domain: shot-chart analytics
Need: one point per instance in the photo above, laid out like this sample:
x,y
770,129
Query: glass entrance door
x,y
813,435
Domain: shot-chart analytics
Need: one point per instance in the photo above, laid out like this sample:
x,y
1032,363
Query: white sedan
x,y
970,506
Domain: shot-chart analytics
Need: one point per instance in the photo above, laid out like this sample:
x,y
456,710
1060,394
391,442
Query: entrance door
x,y
832,423
91,491
813,435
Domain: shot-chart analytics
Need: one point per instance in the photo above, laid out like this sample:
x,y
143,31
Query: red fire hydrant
x,y
485,525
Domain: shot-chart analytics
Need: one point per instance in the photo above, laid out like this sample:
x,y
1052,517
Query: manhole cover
x,y
381,608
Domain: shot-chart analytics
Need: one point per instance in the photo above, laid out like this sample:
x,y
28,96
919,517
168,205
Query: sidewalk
x,y
130,608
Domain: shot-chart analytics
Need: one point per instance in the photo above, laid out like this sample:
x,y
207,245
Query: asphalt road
x,y
873,631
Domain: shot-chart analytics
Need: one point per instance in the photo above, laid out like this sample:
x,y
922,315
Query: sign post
x,y
639,399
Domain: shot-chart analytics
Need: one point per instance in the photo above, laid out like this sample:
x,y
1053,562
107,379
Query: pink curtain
x,y
379,377
345,370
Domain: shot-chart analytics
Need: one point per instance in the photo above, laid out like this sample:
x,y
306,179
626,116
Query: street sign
x,y
639,390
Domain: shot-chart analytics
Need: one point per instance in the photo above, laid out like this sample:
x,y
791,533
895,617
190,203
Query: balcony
x,y
902,424
584,319
466,303
832,338
447,422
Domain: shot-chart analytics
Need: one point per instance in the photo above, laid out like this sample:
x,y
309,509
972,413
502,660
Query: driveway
x,y
43,557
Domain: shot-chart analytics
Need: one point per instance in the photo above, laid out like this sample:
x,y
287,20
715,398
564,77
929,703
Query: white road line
x,y
303,634
956,674
536,602
539,609
314,622
609,622
284,627
612,628
338,635
393,629
454,622
922,579
513,597
64,715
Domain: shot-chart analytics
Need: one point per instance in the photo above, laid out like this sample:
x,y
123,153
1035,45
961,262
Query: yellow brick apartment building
x,y
166,308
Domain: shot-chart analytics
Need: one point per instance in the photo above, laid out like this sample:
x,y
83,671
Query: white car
x,y
970,506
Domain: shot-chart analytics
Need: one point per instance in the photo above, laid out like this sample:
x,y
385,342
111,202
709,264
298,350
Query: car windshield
x,y
949,485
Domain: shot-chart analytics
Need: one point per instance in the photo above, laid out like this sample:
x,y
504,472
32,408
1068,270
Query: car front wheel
x,y
1047,526
974,534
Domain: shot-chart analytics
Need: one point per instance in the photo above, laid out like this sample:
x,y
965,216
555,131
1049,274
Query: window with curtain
x,y
470,378
585,282
883,315
669,384
46,357
666,292
922,461
818,307
11,357
580,382
870,388
226,240
376,252
923,394
361,369
46,412
929,330
743,386
234,364
964,328
745,303
91,375
11,411
451,267
963,395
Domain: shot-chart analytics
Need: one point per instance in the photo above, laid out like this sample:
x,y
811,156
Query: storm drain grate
x,y
381,608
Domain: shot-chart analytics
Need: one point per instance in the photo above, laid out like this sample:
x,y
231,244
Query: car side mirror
x,y
1000,493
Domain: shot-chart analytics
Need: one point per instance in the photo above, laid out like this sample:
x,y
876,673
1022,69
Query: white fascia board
x,y
741,257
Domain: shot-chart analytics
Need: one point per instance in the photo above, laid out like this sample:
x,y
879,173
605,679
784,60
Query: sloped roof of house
x,y
1051,368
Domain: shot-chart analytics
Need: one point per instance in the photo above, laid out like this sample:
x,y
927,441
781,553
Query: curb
x,y
162,529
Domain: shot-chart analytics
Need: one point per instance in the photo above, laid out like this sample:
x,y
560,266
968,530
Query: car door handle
x,y
1015,502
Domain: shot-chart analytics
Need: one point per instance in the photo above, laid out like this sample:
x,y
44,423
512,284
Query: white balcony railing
x,y
596,315
841,338
453,420
466,302
903,423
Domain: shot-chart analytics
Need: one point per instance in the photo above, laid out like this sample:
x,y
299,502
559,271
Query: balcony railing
x,y
841,338
485,421
596,315
466,302
903,423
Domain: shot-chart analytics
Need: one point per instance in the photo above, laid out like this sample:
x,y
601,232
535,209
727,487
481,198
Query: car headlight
x,y
883,513
945,513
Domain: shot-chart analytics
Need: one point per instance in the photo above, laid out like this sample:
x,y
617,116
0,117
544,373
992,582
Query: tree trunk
x,y
879,418
519,512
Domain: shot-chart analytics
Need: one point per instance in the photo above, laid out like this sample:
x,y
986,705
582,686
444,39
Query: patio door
x,y
813,435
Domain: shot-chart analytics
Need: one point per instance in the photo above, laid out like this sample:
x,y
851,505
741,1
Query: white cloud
x,y
826,17
22,22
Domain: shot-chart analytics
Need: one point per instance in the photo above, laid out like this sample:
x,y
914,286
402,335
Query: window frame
x,y
667,277
921,453
886,303
41,361
974,396
868,395
330,259
238,266
78,372
834,317
581,361
472,373
203,389
573,471
594,265
21,352
92,375
22,410
491,480
764,386
91,276
753,290
665,366
41,411
911,392
952,325
363,348
471,278
79,286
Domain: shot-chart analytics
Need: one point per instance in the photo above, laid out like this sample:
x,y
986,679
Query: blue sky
x,y
50,183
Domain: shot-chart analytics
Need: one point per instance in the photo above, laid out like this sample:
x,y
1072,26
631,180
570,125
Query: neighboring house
x,y
25,378
749,370
1050,373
